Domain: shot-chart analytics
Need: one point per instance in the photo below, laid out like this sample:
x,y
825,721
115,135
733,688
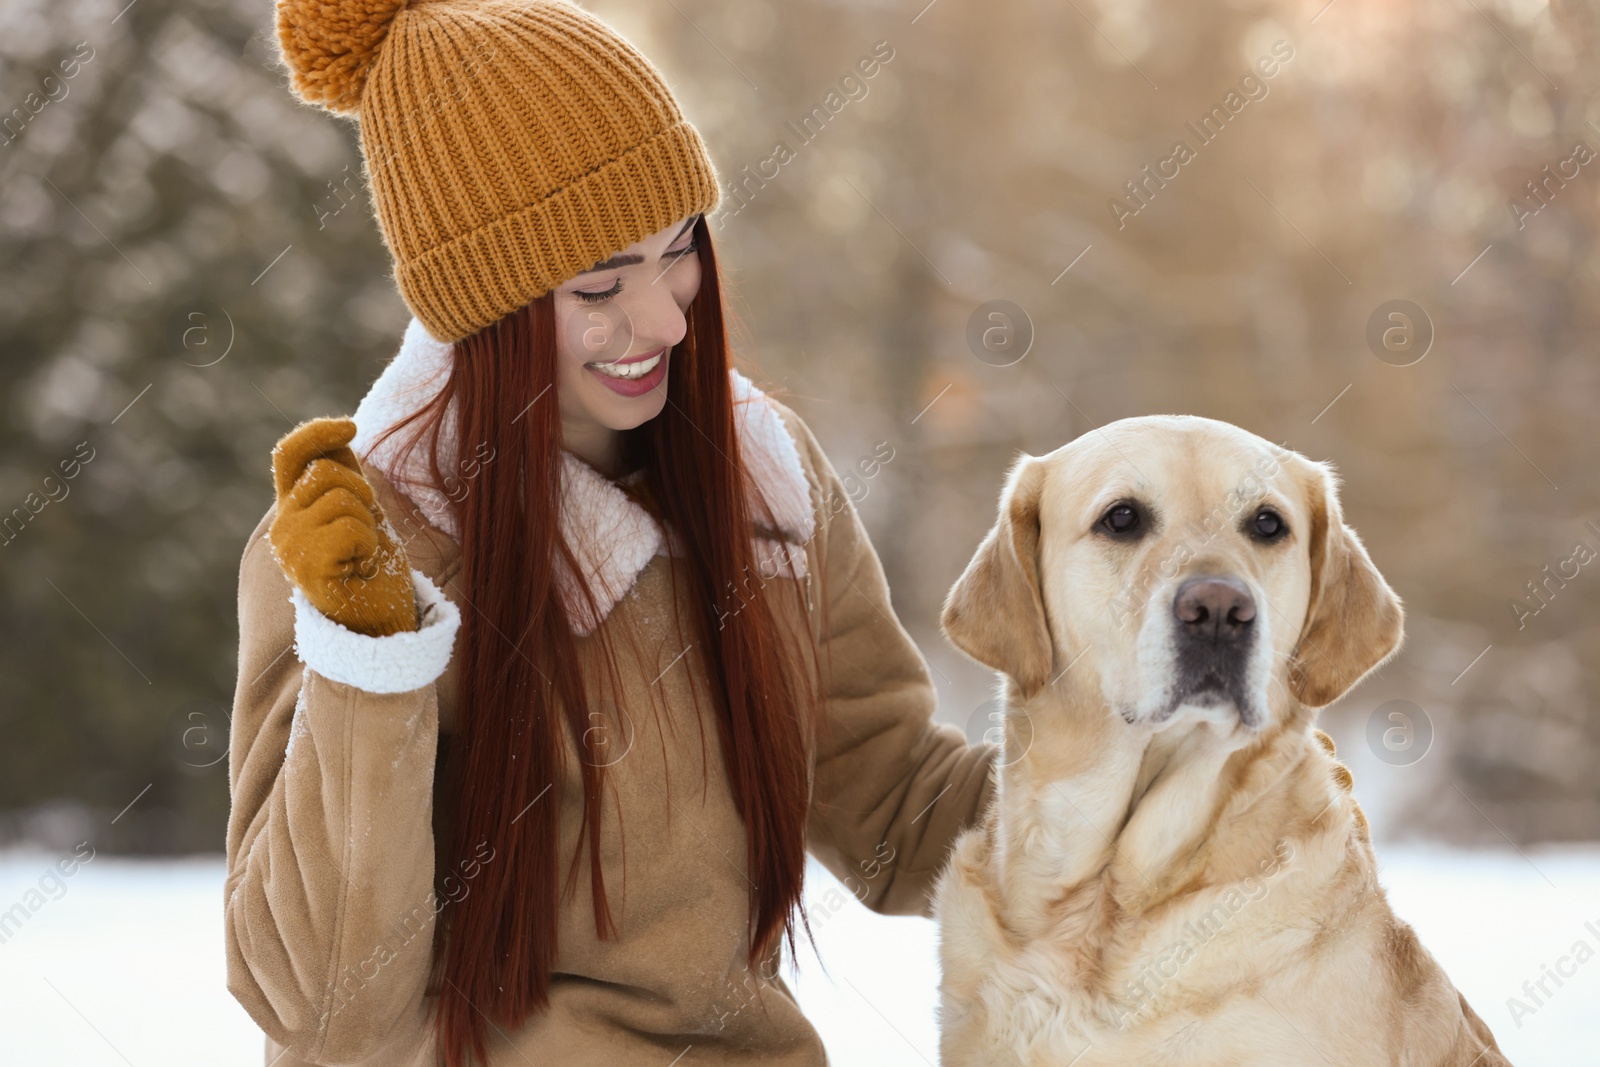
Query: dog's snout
x,y
1215,608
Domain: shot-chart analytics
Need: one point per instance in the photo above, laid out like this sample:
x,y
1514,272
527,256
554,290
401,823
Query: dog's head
x,y
1189,565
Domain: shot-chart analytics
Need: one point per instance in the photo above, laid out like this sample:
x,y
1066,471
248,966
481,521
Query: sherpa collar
x,y
613,537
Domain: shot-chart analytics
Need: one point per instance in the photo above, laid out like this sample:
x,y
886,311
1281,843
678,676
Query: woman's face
x,y
616,325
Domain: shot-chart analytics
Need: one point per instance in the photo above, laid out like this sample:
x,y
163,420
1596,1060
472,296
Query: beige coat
x,y
331,881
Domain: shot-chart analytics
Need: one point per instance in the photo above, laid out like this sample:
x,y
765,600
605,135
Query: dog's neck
x,y
1150,815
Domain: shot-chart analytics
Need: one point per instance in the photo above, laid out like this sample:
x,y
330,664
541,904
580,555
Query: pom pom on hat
x,y
330,46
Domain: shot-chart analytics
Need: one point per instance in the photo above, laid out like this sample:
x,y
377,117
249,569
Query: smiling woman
x,y
650,552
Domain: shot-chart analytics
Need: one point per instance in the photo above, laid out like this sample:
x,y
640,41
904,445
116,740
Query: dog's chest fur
x,y
1114,908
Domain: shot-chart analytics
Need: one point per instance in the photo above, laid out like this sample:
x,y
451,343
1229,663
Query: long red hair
x,y
520,681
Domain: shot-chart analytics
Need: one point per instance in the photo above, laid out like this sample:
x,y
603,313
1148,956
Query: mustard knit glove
x,y
329,534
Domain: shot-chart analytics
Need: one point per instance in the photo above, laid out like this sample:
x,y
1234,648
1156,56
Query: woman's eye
x,y
595,298
1268,525
1121,520
685,250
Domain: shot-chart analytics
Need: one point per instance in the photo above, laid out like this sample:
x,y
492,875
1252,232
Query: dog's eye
x,y
1121,520
1268,526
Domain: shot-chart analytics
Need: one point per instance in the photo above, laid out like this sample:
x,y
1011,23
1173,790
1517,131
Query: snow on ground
x,y
122,963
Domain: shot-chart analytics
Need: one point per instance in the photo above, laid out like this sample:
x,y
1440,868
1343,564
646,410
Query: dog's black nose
x,y
1214,608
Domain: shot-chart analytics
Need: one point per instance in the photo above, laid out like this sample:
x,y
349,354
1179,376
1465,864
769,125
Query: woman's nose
x,y
654,318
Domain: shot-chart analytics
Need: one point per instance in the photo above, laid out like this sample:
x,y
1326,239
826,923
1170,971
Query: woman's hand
x,y
329,534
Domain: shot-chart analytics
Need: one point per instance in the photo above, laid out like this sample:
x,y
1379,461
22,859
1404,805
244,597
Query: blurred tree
x,y
174,302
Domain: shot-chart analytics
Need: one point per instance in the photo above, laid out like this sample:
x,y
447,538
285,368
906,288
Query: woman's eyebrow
x,y
624,259
628,259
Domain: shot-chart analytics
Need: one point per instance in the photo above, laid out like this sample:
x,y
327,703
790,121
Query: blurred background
x,y
1375,245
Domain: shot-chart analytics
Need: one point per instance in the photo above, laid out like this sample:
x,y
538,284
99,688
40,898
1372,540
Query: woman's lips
x,y
632,377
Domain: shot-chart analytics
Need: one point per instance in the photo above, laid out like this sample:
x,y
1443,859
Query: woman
x,y
590,646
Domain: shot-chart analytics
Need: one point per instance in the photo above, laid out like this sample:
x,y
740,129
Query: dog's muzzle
x,y
1213,634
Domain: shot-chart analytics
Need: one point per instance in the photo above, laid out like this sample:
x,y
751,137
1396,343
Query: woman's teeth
x,y
628,371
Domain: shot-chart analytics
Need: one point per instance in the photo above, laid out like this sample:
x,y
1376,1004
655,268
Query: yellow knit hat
x,y
509,144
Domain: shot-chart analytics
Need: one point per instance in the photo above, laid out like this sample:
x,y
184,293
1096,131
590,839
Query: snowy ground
x,y
121,964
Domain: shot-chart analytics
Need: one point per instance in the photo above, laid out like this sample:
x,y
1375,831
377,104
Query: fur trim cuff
x,y
397,663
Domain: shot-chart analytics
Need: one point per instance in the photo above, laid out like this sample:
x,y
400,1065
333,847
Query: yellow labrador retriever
x,y
1175,872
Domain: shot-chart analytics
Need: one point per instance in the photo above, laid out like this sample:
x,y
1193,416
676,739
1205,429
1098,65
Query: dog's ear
x,y
1354,621
995,611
